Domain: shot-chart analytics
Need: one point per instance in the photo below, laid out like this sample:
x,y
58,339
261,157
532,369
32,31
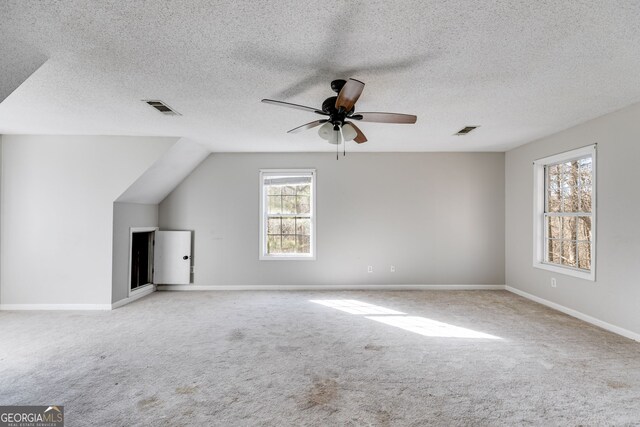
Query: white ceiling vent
x,y
162,107
465,130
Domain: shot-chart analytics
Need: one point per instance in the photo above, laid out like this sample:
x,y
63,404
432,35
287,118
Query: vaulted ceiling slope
x,y
520,70
17,62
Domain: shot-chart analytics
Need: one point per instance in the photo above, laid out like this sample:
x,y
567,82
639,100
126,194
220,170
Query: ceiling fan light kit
x,y
349,132
336,128
327,132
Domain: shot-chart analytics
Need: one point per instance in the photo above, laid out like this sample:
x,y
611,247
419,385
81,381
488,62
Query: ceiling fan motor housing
x,y
336,117
329,105
337,85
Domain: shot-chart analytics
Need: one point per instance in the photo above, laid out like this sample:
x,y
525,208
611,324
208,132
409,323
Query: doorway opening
x,y
141,259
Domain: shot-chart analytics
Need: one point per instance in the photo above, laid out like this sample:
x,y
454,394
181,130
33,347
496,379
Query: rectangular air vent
x,y
466,130
162,107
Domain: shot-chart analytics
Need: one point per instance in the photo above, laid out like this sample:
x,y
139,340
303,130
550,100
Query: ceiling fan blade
x,y
296,106
349,94
309,125
360,138
385,118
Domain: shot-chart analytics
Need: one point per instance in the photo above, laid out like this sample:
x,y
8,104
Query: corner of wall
x,y
125,216
611,300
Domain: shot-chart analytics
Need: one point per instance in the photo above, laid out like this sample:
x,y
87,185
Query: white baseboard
x,y
578,315
55,307
135,295
329,287
125,301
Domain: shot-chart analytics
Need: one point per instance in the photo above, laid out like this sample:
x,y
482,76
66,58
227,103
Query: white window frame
x,y
539,194
264,256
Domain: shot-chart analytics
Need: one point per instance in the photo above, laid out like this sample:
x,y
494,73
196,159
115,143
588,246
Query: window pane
x,y
553,172
586,168
585,198
273,226
569,253
289,190
568,175
584,256
302,204
303,190
554,248
289,204
288,243
584,228
273,190
288,226
569,183
273,244
554,224
303,226
554,200
569,227
303,244
553,189
274,204
585,183
566,198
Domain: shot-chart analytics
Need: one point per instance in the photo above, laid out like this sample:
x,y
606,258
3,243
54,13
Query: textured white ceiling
x,y
17,62
520,70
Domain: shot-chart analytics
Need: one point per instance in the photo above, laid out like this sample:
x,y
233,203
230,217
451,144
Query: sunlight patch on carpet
x,y
416,324
355,307
430,328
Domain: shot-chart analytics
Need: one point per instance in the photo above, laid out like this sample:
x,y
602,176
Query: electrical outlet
x,y
553,282
392,269
370,269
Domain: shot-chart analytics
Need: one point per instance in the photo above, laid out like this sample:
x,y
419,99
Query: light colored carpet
x,y
278,359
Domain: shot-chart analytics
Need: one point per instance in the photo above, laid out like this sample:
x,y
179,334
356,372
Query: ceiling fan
x,y
338,126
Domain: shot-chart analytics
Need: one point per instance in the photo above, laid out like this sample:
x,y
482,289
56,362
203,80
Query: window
x,y
287,214
565,214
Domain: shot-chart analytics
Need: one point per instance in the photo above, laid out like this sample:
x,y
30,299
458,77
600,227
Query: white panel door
x,y
172,258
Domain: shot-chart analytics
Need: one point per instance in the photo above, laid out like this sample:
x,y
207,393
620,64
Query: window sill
x,y
586,275
287,257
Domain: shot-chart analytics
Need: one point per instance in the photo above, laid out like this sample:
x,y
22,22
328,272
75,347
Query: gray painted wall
x,y
1,203
57,213
438,217
615,295
125,216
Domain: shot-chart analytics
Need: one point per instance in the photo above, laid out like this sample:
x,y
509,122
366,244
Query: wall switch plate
x,y
392,269
553,282
370,269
